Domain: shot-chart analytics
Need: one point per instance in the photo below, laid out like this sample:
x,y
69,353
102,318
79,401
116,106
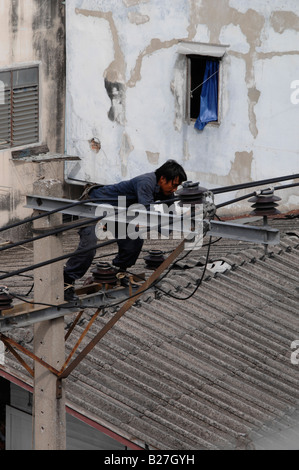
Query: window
x,y
203,93
203,89
19,107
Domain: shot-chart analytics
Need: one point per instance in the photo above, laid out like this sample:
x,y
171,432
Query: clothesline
x,y
203,82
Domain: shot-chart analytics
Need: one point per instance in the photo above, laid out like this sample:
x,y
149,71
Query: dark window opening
x,y
4,400
19,107
196,80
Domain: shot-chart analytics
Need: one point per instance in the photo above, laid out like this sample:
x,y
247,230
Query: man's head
x,y
169,176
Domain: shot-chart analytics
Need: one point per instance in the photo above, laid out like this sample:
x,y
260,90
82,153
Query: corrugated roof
x,y
213,371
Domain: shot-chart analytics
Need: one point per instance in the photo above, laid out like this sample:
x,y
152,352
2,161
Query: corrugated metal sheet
x,y
209,372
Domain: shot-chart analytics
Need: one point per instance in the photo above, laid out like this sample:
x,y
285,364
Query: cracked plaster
x,y
245,29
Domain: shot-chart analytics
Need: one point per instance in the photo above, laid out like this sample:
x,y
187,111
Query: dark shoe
x,y
69,293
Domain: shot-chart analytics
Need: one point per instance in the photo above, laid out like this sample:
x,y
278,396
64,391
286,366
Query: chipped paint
x,y
154,46
153,157
130,3
137,18
137,82
284,20
125,150
115,71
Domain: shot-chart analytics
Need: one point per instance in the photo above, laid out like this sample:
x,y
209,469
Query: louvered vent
x,y
19,111
5,121
25,116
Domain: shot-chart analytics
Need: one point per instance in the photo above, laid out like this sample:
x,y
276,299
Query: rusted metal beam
x,y
28,353
18,357
91,321
75,322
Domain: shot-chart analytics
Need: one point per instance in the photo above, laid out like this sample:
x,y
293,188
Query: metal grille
x,y
19,112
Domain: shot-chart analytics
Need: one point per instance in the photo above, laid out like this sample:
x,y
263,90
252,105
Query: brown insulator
x,y
265,203
104,273
154,259
5,299
191,193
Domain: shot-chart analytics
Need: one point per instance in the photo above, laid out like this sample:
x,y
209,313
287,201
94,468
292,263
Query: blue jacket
x,y
142,189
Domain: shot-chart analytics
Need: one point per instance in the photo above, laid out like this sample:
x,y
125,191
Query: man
x,y
144,189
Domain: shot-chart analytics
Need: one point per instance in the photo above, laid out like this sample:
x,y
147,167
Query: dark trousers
x,y
78,264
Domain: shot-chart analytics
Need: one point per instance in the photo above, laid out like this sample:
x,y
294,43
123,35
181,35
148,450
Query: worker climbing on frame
x,y
145,189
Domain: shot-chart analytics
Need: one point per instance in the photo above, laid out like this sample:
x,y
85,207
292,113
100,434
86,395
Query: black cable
x,y
58,230
21,275
40,216
105,306
38,303
231,201
68,206
154,284
198,283
68,255
53,232
214,191
59,258
252,184
115,304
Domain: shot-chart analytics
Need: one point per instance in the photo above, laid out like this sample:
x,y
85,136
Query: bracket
x,y
264,234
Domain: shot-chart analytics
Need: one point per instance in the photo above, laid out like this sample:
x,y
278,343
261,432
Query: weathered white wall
x,y
126,88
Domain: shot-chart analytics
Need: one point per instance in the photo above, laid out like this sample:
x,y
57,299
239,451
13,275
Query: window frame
x,y
12,116
188,115
205,51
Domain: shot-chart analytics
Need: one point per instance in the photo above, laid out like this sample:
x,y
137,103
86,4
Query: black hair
x,y
171,170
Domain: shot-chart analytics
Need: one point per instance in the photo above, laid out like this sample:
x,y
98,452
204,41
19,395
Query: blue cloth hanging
x,y
209,95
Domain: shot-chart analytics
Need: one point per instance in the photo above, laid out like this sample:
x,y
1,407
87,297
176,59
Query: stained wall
x,y
32,32
126,89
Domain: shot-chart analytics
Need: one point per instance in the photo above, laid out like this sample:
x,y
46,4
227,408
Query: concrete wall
x,y
33,32
126,90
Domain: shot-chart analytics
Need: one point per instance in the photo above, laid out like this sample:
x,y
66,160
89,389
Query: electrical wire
x,y
56,231
237,199
70,205
236,187
16,296
76,252
154,284
44,214
214,191
198,283
129,297
50,233
55,260
18,272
